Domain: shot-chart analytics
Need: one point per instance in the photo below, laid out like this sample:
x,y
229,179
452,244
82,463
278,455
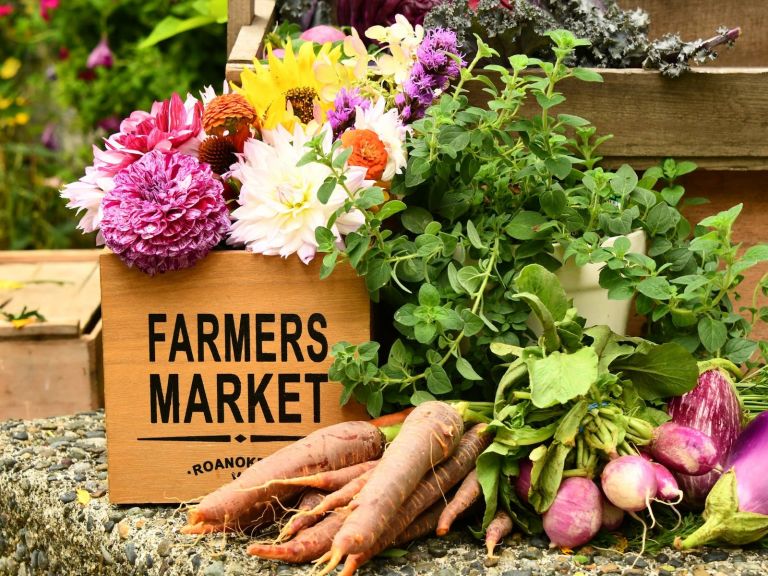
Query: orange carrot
x,y
466,495
500,526
337,499
431,488
328,480
391,419
423,525
308,545
301,519
429,435
261,514
330,448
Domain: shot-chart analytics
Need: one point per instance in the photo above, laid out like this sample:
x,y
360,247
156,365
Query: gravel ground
x,y
55,519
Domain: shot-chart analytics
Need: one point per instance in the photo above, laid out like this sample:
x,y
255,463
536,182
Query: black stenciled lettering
x,y
290,337
197,469
317,319
155,337
250,461
205,337
256,397
263,336
198,401
229,462
239,462
284,397
237,342
316,380
167,403
208,466
228,398
180,340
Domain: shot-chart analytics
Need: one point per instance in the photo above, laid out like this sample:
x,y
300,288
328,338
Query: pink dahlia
x,y
165,212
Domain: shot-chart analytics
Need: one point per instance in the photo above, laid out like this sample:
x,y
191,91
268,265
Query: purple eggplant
x,y
737,506
712,408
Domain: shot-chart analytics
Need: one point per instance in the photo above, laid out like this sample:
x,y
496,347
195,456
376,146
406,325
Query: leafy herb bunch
x,y
489,188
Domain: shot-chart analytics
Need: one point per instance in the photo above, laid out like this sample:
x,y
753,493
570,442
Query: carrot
x,y
328,480
500,526
308,545
391,419
431,489
429,435
261,514
465,496
330,448
310,499
423,525
301,519
337,499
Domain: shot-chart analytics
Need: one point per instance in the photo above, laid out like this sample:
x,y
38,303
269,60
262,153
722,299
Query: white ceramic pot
x,y
582,284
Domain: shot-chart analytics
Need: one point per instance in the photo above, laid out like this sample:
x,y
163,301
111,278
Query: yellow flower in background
x,y
5,103
300,87
10,68
22,118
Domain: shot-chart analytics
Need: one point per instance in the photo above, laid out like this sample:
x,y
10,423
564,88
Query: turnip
x,y
575,515
667,487
322,34
523,481
613,516
683,449
629,482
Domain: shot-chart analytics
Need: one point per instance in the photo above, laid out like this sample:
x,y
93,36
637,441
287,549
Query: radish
x,y
667,487
322,34
613,516
629,482
523,481
683,449
575,515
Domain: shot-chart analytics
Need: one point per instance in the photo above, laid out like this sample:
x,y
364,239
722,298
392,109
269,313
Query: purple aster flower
x,y
342,116
165,212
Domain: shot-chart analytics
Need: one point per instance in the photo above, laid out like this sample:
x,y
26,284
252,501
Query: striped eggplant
x,y
712,408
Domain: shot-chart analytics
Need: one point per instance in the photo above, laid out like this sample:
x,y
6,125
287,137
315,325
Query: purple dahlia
x,y
342,115
165,212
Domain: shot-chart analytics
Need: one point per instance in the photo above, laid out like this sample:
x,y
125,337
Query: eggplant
x,y
713,408
737,506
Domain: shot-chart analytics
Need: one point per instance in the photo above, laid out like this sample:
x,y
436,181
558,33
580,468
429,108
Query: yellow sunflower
x,y
296,87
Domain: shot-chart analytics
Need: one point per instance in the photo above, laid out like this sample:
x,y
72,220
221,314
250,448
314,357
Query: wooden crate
x,y
53,367
714,115
185,413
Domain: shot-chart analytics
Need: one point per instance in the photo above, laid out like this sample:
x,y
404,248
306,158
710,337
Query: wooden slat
x,y
700,18
65,293
249,41
35,256
239,14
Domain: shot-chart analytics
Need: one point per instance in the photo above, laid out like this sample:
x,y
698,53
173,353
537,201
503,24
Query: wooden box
x,y
209,368
714,115
50,367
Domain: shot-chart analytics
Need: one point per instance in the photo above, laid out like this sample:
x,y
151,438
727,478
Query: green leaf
x,y
390,208
415,219
723,220
546,476
712,334
547,102
424,332
370,197
656,287
571,120
672,194
739,350
524,226
470,278
474,237
375,402
326,189
539,281
624,181
664,370
489,465
587,75
472,322
558,166
379,273
558,378
325,239
171,26
429,295
341,158
421,396
437,380
466,370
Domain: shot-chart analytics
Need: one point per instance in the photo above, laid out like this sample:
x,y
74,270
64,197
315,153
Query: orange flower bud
x,y
368,151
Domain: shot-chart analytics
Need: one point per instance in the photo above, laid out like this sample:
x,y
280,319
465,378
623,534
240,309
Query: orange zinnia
x,y
368,151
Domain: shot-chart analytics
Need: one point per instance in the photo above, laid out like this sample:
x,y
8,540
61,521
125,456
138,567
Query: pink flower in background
x,y
46,7
6,10
165,212
101,55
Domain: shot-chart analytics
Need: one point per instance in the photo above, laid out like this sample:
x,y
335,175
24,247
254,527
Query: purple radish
x,y
629,482
523,481
613,516
575,515
683,449
712,407
667,487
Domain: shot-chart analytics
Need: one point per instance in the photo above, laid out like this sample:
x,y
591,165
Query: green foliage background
x,y
54,89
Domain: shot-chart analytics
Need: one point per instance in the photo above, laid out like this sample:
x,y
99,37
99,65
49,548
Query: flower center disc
x,y
303,102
